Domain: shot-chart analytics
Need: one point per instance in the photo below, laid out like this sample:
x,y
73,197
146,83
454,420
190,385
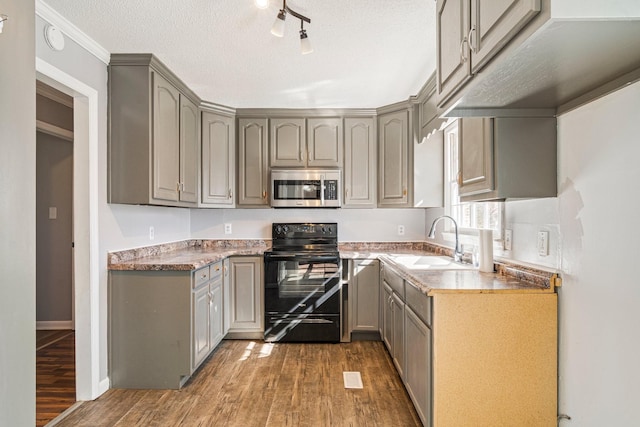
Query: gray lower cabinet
x,y
154,134
364,285
226,293
246,297
393,318
253,162
397,314
502,158
393,159
359,163
218,160
162,325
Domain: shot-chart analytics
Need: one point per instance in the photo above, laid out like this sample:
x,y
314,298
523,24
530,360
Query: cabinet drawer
x,y
419,303
200,276
215,270
394,280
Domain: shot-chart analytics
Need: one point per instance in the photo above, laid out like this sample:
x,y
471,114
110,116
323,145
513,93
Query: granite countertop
x,y
193,254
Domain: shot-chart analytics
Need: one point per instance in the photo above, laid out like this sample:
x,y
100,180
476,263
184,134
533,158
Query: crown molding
x,y
47,13
217,108
305,112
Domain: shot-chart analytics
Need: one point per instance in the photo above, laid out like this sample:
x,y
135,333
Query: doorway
x,y
55,340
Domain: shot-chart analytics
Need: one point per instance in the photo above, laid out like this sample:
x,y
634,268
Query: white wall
x,y
353,224
17,215
599,201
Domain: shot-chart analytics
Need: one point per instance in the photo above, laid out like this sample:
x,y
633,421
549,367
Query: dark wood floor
x,y
247,383
55,374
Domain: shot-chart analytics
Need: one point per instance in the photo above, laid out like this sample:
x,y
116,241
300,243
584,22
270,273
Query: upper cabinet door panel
x,y
494,23
393,160
218,159
288,148
476,156
452,49
359,163
166,136
189,148
253,172
325,142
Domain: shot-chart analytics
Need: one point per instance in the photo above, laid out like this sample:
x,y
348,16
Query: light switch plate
x,y
53,212
543,243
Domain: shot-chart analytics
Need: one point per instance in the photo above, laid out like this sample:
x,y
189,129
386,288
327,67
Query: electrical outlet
x,y
152,233
508,235
227,228
543,243
401,230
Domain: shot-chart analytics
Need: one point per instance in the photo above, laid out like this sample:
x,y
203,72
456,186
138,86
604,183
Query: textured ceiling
x,y
367,53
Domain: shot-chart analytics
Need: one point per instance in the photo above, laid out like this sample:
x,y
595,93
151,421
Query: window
x,y
469,216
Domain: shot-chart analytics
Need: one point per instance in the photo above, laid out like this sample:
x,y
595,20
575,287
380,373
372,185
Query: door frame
x,y
86,260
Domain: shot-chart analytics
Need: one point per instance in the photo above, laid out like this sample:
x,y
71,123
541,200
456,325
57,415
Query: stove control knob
x,y
324,230
328,229
278,229
285,229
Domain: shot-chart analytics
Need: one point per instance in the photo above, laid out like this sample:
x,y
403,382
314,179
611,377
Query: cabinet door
x,y
287,146
201,304
215,313
359,163
365,294
166,139
393,159
494,23
246,294
226,296
387,318
418,363
475,138
324,142
397,313
189,148
452,48
253,172
218,159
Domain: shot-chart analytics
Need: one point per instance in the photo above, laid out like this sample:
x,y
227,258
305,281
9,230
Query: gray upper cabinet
x,y
452,48
393,159
253,167
288,147
471,32
154,139
503,158
313,142
189,150
324,142
359,163
218,160
494,23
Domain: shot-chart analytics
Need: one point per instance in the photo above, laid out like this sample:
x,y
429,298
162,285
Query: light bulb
x,y
262,4
2,19
278,25
305,44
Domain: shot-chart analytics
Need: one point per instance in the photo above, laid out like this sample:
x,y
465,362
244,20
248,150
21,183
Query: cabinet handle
x,y
204,276
463,57
264,194
230,193
459,179
177,186
404,191
471,44
346,193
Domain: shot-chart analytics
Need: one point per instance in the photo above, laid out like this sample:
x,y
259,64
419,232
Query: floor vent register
x,y
352,380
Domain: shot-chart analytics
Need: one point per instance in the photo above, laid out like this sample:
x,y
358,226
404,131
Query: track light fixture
x,y
2,19
278,25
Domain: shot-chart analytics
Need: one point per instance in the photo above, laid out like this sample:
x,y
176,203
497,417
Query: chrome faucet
x,y
457,253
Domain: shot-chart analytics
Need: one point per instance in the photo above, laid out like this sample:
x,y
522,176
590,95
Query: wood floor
x,y
248,383
55,374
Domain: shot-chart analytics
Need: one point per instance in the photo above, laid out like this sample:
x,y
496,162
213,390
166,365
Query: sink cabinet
x,y
502,158
418,363
154,134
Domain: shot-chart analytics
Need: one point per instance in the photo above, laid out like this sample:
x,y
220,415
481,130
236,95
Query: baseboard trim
x,y
103,386
52,325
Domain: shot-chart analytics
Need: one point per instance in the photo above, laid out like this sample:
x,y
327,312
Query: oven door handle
x,y
322,190
328,259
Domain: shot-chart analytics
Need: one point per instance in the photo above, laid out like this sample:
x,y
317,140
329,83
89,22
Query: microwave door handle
x,y
322,190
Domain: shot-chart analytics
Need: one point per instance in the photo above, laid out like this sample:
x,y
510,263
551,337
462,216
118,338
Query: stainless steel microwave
x,y
306,188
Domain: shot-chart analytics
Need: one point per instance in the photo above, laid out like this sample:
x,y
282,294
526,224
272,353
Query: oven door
x,y
302,284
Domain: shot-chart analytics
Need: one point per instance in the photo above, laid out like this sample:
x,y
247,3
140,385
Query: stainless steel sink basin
x,y
429,262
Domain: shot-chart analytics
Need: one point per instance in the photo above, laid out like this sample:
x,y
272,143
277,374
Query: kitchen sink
x,y
429,262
